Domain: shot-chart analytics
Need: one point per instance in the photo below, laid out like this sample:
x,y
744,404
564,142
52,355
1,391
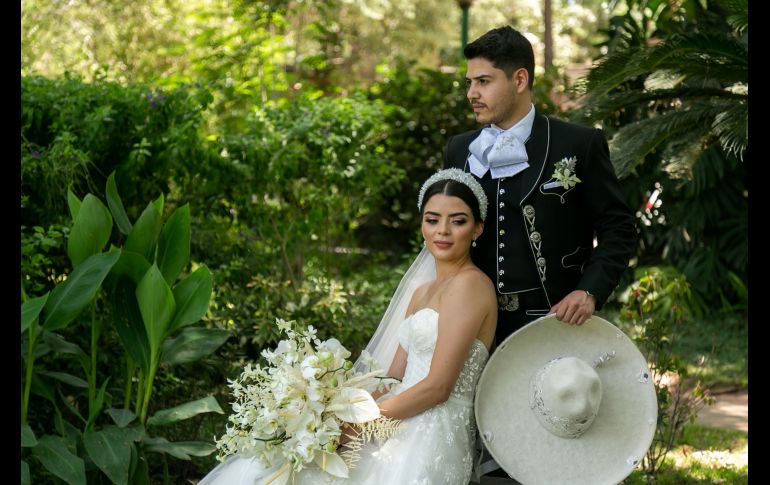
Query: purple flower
x,y
36,154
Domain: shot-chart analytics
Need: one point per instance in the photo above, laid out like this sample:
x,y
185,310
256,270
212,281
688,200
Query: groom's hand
x,y
575,308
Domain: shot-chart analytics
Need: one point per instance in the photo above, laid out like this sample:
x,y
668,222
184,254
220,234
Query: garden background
x,y
192,170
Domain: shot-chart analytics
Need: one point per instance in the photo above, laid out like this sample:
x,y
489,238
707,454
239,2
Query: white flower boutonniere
x,y
565,172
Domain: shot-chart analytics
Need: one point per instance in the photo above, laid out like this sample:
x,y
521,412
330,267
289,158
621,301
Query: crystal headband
x,y
458,176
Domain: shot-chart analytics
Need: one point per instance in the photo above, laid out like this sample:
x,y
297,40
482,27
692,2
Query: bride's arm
x,y
465,304
396,370
398,364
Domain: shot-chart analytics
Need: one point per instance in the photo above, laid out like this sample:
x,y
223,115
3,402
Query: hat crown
x,y
565,395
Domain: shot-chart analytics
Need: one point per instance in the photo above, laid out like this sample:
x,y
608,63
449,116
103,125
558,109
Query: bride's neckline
x,y
436,312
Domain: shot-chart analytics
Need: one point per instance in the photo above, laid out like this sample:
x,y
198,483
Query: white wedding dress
x,y
435,447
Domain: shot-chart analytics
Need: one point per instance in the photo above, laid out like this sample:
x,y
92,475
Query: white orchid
x,y
290,412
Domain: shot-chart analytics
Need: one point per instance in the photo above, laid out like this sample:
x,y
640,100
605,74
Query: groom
x,y
559,233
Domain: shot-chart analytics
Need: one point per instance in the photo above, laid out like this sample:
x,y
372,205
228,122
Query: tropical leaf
x,y
110,450
27,436
128,322
121,417
30,310
90,230
73,203
192,295
69,298
144,235
59,460
192,344
180,449
157,306
174,244
65,378
116,206
185,411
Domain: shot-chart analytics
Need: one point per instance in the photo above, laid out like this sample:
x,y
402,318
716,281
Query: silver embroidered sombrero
x,y
558,403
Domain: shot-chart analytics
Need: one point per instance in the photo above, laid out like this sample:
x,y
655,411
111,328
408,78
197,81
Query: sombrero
x,y
566,404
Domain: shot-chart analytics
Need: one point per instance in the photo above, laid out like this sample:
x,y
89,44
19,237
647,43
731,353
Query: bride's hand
x,y
348,433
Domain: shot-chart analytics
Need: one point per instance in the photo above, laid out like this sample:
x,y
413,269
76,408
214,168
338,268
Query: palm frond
x,y
636,140
701,54
602,107
739,10
731,126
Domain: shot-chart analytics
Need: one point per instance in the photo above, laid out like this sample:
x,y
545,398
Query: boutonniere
x,y
565,172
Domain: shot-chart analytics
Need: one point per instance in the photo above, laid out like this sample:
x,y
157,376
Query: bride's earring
x,y
473,243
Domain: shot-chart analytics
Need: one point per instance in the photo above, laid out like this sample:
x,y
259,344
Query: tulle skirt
x,y
435,447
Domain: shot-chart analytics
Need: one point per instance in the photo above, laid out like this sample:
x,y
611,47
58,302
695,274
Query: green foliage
x,y
293,186
424,108
658,305
672,91
721,456
148,307
74,134
41,256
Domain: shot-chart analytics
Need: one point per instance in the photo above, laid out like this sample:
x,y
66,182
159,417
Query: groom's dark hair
x,y
455,189
506,49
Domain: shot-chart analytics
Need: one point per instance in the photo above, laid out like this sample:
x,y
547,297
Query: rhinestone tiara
x,y
458,176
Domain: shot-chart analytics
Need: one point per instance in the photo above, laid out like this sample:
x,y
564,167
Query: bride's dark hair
x,y
455,189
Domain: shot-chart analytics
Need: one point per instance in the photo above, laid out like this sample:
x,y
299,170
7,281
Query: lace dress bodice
x,y
418,335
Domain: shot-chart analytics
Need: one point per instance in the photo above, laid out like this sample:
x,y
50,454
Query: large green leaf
x,y
144,234
60,346
93,411
158,203
59,460
90,231
42,388
192,295
116,206
184,411
174,244
25,480
121,417
69,298
110,449
130,264
179,449
127,319
72,409
30,309
192,344
156,303
27,436
140,475
65,378
73,203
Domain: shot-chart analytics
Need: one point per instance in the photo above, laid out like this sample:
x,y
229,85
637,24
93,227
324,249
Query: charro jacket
x,y
539,234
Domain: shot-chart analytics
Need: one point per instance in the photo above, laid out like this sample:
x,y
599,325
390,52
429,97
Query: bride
x,y
438,351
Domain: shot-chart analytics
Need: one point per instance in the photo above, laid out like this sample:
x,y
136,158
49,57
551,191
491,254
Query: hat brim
x,y
621,432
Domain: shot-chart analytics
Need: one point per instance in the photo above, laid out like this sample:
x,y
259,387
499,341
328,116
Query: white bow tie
x,y
500,152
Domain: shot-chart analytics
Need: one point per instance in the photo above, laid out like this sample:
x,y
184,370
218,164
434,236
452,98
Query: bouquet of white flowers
x,y
291,412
